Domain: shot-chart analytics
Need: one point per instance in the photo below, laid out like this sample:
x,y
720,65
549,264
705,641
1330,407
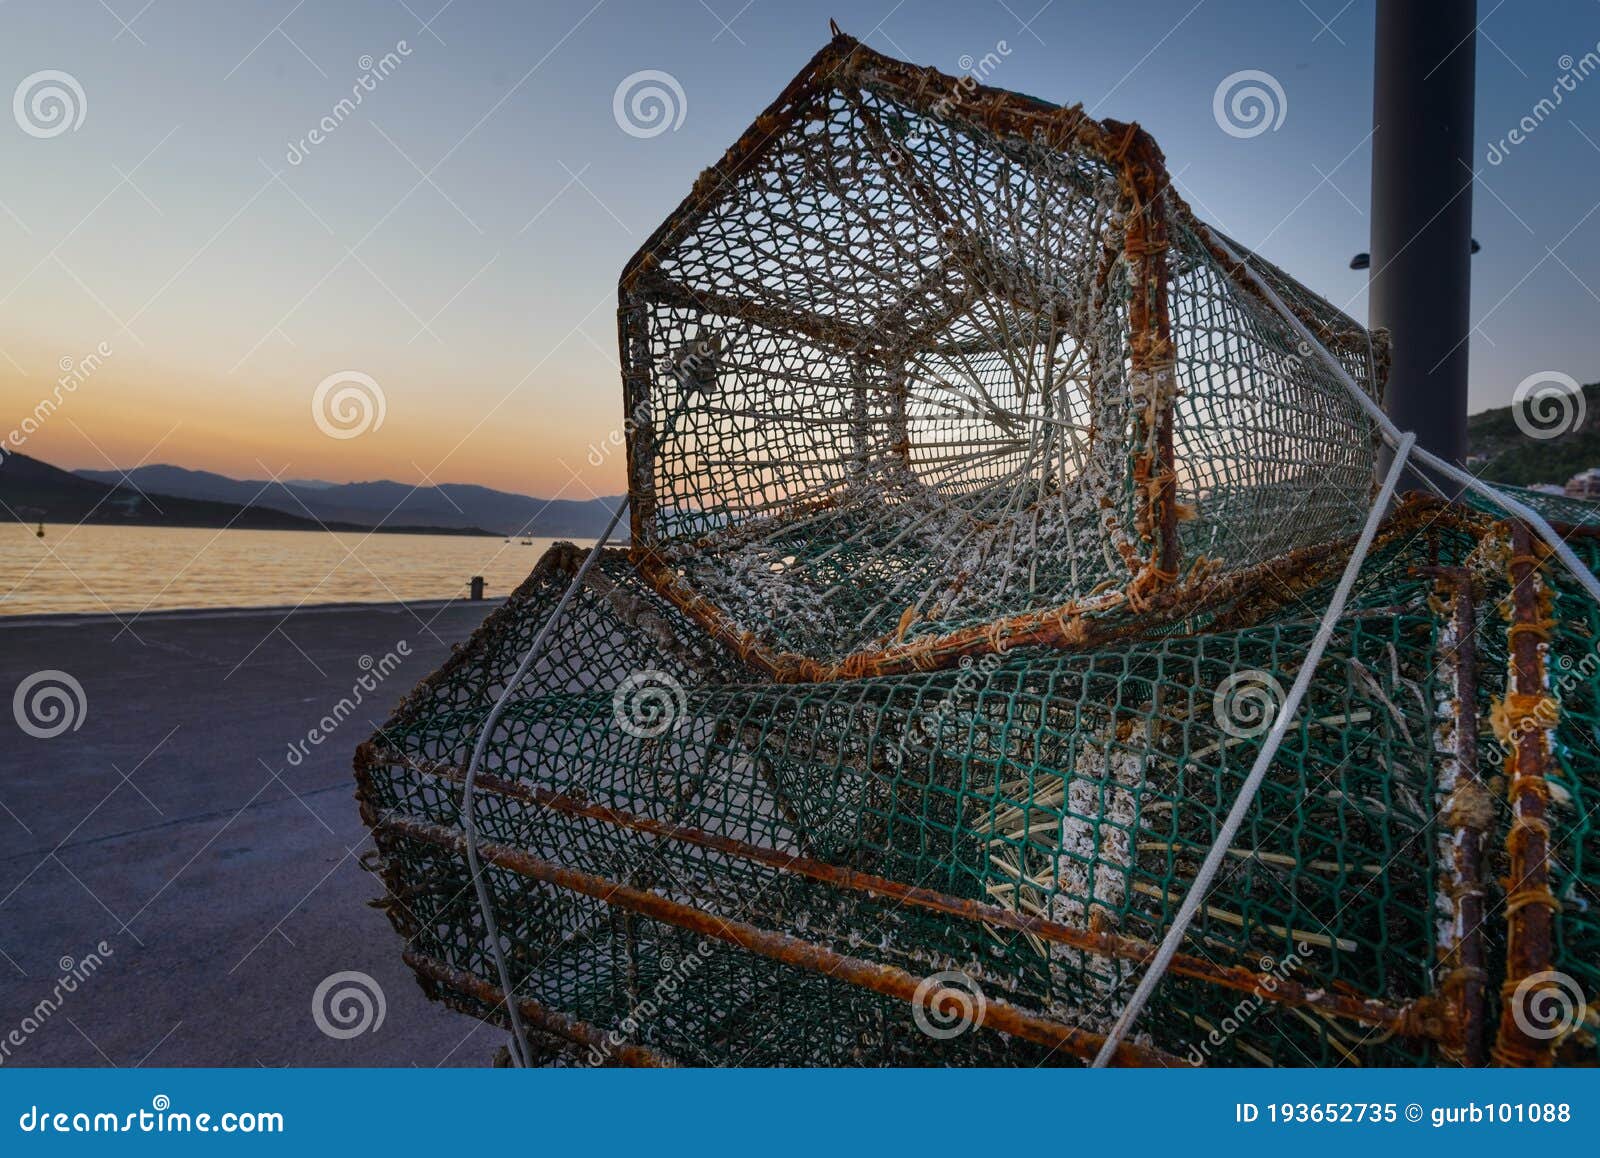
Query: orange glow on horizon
x,y
119,411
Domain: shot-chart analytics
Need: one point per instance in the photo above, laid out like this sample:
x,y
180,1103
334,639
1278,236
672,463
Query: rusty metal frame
x,y
1530,905
1073,626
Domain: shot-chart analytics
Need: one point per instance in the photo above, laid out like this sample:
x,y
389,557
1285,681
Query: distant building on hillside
x,y
1547,488
1584,485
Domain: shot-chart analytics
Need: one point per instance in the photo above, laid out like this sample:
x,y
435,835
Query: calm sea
x,y
98,568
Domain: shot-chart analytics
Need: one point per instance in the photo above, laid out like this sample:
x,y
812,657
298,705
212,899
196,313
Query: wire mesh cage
x,y
748,872
983,506
927,360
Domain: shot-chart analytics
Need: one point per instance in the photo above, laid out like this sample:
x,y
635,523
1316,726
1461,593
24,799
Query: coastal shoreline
x,y
93,618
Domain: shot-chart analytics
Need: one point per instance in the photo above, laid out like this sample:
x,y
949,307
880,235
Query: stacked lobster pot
x,y
983,502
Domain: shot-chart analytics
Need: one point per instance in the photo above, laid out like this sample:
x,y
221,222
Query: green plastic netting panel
x,y
864,822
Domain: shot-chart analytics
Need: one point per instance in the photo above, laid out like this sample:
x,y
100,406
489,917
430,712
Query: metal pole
x,y
1420,284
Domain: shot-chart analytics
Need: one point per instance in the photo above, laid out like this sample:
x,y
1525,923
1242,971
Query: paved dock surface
x,y
223,880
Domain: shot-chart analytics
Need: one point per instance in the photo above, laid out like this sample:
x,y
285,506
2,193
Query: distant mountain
x,y
1510,456
453,505
35,491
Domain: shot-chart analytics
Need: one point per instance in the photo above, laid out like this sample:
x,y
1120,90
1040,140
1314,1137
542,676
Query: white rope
x,y
519,1034
1258,771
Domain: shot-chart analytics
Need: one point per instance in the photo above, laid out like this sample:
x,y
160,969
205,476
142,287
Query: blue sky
x,y
458,236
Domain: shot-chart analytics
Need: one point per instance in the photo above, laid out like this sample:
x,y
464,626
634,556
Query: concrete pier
x,y
174,826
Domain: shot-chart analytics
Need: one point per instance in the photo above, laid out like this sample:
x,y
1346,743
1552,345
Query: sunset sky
x,y
457,238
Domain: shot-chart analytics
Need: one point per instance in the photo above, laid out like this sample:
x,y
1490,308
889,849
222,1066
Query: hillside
x,y
32,491
1514,457
451,505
